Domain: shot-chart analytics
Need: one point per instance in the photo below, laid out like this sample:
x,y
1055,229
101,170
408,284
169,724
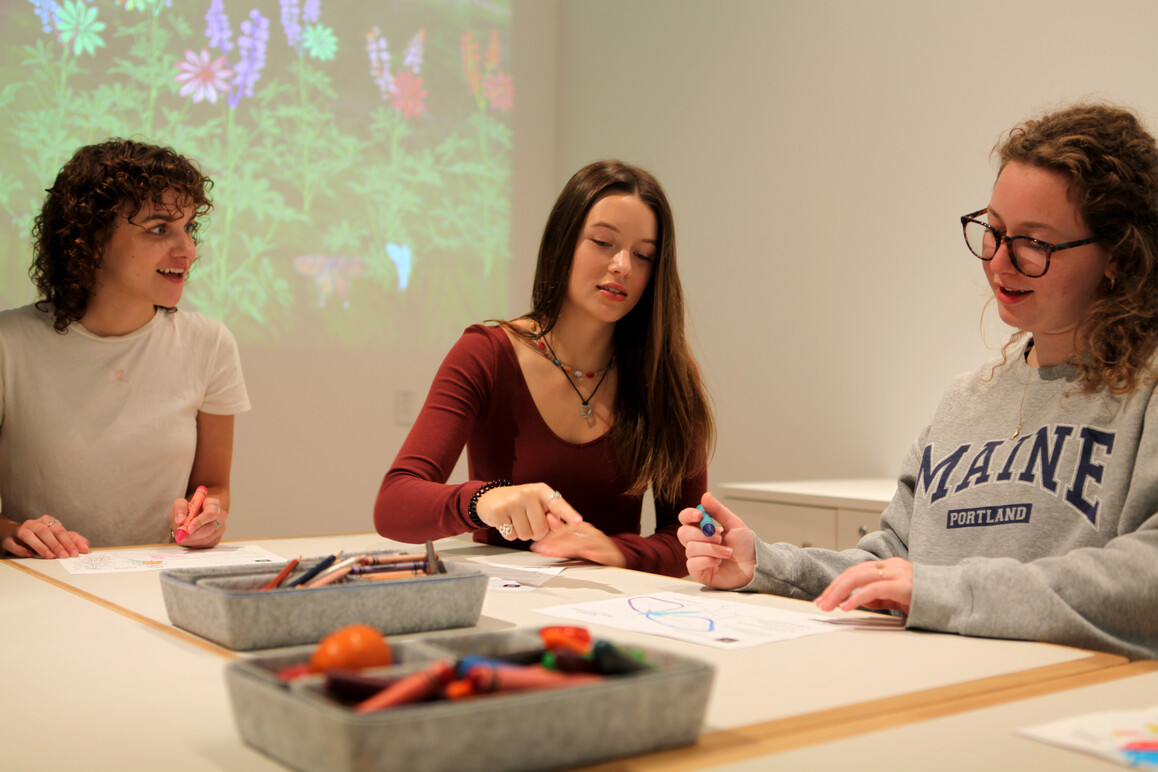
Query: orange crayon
x,y
411,688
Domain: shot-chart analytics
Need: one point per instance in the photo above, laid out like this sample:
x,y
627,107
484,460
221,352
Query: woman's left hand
x,y
204,530
875,584
578,540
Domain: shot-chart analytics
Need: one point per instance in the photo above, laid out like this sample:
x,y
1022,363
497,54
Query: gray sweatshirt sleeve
x,y
804,572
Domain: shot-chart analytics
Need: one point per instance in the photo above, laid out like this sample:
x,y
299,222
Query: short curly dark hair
x,y
1111,162
100,183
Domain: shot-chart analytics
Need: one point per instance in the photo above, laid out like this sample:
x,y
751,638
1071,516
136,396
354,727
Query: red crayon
x,y
277,580
500,679
412,688
194,509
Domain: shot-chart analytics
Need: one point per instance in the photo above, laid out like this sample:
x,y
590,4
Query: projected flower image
x,y
201,78
361,151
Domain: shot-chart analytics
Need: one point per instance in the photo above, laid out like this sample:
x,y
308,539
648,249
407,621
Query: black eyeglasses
x,y
1029,256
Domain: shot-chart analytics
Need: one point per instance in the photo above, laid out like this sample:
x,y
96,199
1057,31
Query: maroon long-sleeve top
x,y
480,399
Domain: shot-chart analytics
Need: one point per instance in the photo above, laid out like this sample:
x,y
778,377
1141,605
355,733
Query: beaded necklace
x,y
585,409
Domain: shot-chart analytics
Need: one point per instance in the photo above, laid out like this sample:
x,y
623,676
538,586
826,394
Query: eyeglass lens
x,y
1028,257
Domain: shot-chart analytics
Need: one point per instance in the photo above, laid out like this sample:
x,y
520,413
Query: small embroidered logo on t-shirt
x,y
119,377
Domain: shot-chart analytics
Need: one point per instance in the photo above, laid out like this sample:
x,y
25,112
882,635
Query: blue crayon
x,y
708,524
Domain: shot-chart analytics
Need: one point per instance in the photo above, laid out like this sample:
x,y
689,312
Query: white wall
x,y
818,156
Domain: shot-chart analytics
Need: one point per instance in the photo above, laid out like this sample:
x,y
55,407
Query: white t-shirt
x,y
101,432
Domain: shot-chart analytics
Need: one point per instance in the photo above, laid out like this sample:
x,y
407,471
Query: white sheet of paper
x,y
167,556
508,578
1125,736
698,619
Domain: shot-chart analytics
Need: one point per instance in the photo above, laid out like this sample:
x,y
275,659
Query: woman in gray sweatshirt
x,y
1028,508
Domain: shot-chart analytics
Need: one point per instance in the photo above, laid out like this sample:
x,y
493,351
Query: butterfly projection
x,y
399,254
332,275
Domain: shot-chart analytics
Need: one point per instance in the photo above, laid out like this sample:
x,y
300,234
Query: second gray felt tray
x,y
224,605
526,731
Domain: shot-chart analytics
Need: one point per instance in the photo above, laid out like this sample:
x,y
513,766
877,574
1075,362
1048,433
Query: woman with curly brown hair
x,y
1029,506
114,406
573,411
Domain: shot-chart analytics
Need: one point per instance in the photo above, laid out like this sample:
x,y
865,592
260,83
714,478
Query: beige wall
x,y
817,154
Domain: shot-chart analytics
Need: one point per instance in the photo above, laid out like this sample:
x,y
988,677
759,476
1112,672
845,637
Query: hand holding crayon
x,y
720,548
196,501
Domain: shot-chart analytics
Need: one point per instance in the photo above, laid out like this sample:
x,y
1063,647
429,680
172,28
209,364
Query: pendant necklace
x,y
585,409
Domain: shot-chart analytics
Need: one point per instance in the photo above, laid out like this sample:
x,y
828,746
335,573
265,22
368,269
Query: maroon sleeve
x,y
414,502
661,552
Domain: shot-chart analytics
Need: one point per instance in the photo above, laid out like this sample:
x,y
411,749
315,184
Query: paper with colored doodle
x,y
167,556
696,618
1129,737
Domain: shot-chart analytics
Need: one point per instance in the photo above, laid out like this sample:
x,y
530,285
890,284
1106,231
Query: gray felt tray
x,y
300,726
223,604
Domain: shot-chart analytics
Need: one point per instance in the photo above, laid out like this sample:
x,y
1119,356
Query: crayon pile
x,y
568,657
377,566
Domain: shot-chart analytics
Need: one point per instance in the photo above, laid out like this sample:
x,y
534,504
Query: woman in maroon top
x,y
571,412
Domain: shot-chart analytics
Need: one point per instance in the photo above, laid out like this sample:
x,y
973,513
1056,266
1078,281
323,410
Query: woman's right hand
x,y
44,537
726,561
527,508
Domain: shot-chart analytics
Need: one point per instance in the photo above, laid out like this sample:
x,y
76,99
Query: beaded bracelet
x,y
472,509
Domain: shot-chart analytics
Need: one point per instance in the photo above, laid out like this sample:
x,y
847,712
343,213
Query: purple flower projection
x,y
291,21
45,9
217,26
252,44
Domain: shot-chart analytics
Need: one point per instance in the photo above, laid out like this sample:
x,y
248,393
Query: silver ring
x,y
507,530
216,524
51,523
555,495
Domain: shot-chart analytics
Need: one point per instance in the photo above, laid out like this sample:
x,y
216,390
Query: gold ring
x,y
881,569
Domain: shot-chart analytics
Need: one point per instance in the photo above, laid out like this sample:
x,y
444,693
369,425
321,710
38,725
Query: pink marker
x,y
195,502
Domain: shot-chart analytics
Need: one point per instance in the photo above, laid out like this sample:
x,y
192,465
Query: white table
x,y
89,689
117,657
982,739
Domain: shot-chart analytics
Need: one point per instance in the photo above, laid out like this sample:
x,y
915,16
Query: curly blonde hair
x,y
1112,164
99,184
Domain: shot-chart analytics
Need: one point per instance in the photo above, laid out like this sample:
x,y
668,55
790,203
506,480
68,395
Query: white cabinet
x,y
832,514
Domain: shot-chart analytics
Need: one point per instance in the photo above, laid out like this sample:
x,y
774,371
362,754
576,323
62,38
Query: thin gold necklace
x,y
1021,421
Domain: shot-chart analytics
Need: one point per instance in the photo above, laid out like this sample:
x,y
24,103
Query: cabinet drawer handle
x,y
862,531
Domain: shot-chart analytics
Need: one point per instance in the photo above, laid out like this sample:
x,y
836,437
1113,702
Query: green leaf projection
x,y
361,151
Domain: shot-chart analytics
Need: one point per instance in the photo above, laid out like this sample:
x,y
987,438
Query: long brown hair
x,y
1111,162
663,424
99,184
